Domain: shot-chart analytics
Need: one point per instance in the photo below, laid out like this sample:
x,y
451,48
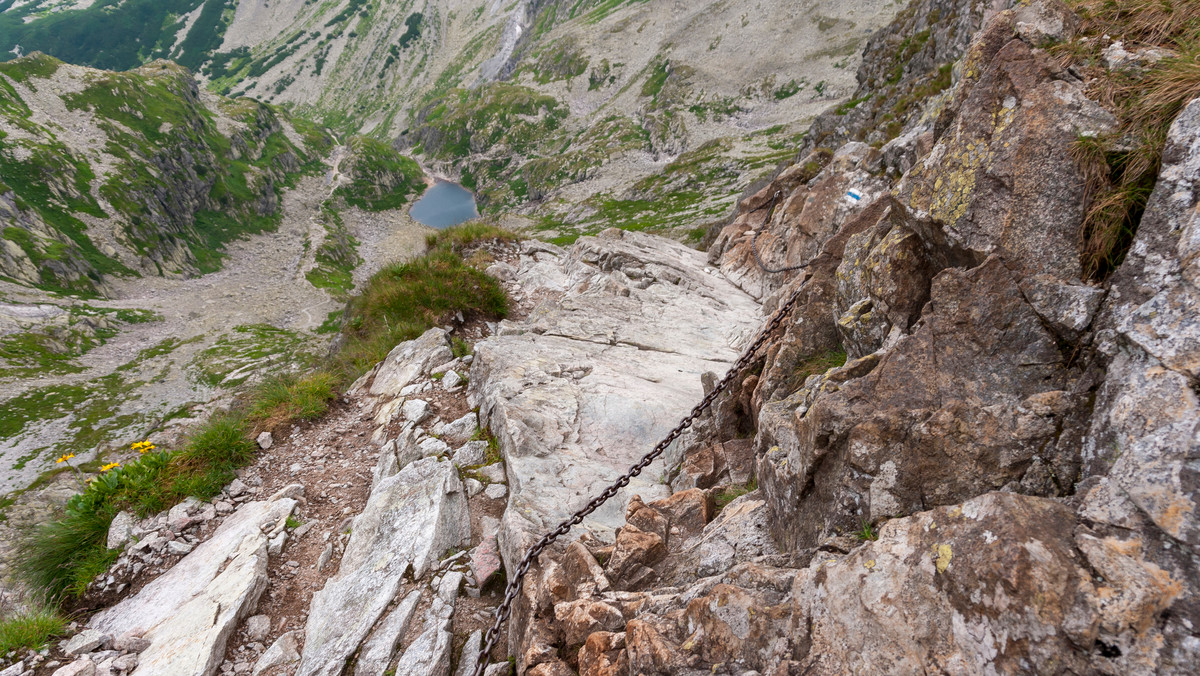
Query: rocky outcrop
x,y
601,369
969,458
188,614
410,520
556,390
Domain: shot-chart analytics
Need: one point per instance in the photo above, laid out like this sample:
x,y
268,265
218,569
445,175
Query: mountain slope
x,y
134,173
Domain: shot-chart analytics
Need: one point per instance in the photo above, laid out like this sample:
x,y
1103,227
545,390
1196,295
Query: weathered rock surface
x,y
409,360
188,613
1013,446
411,518
593,378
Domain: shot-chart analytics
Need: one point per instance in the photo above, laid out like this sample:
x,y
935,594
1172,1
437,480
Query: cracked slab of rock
x,y
593,379
189,612
380,648
409,360
410,519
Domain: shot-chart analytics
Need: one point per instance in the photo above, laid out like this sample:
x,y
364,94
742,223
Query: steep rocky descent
x,y
967,456
291,583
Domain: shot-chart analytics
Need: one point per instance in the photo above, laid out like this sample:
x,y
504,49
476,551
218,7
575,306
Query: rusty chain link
x,y
514,584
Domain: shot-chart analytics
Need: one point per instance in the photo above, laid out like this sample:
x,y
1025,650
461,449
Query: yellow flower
x,y
142,446
65,458
110,466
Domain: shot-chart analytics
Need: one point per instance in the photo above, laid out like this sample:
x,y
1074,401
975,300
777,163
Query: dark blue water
x,y
444,205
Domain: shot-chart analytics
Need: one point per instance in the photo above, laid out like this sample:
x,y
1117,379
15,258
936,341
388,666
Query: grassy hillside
x,y
178,175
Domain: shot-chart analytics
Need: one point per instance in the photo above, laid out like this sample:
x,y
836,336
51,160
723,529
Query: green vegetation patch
x,y
31,630
336,258
110,34
247,350
1121,169
562,60
404,300
382,178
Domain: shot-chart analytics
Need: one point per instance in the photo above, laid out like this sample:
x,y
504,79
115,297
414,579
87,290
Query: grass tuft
x,y
866,531
1120,169
728,494
31,630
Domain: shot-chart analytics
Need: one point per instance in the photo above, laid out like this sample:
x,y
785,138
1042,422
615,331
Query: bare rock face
x,y
795,215
1002,582
980,384
1001,179
1014,446
411,518
188,613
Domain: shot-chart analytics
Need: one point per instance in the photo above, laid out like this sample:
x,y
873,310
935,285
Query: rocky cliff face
x,y
963,451
969,456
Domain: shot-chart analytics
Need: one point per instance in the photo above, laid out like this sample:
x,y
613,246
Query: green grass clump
x,y
403,301
290,397
31,630
1121,168
728,494
866,531
820,363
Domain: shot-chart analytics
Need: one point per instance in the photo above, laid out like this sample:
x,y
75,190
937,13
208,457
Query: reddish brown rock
x,y
552,668
650,652
604,654
578,619
687,512
634,548
583,572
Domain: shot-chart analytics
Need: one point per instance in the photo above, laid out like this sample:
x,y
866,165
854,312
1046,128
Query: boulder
x,y
415,410
410,519
283,652
461,430
469,653
472,454
80,667
257,627
120,530
86,641
409,360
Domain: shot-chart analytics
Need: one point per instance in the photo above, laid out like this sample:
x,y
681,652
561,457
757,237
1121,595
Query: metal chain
x,y
754,241
514,584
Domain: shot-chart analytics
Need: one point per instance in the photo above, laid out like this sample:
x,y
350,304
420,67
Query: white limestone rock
x,y
592,379
461,430
452,380
410,519
471,454
120,530
409,360
189,612
380,648
282,652
416,410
